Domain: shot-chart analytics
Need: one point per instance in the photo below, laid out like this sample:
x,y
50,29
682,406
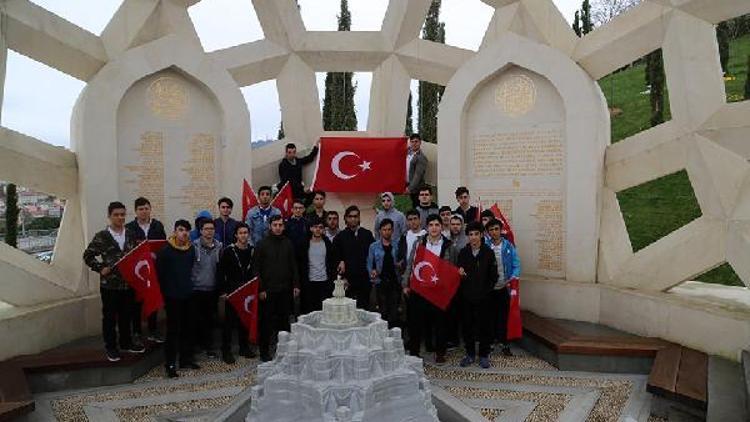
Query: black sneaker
x,y
190,365
506,351
136,347
265,358
172,371
113,355
155,338
228,358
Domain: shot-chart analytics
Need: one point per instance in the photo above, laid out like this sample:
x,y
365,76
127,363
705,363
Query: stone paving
x,y
521,388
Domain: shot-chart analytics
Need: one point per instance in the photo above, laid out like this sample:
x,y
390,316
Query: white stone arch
x,y
586,136
94,128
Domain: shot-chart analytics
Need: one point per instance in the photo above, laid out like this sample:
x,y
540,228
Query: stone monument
x,y
341,364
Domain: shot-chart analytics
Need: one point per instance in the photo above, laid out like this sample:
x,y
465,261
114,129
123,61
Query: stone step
x,y
726,391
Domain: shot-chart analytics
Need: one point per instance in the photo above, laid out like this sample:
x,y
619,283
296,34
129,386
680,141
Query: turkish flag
x,y
245,303
507,230
515,327
156,245
434,278
284,200
361,165
249,199
138,268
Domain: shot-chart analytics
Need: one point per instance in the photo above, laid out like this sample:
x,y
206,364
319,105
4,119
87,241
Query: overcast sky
x,y
39,100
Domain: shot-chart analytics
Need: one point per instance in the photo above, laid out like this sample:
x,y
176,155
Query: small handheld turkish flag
x,y
138,268
515,326
284,200
361,165
434,278
249,199
245,303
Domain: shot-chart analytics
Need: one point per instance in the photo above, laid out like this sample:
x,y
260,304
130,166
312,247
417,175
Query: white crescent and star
x,y
248,302
138,267
336,165
418,272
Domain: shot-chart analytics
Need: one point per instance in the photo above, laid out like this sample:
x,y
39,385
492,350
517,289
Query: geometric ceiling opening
x,y
466,21
656,208
39,218
322,15
224,23
733,37
39,99
628,92
91,15
723,274
265,112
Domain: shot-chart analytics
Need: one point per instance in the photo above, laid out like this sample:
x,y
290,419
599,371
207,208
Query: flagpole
x,y
242,286
317,164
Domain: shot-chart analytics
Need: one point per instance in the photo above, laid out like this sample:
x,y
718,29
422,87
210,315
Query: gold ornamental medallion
x,y
168,98
516,96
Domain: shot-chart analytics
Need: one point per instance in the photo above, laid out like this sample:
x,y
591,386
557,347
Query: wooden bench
x,y
680,374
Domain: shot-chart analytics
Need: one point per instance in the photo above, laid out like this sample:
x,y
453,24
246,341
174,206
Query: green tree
x,y
409,118
722,36
577,23
586,23
11,215
655,79
338,104
747,80
429,93
281,134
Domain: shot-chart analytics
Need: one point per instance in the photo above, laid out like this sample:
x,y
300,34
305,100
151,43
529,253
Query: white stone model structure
x,y
341,364
163,118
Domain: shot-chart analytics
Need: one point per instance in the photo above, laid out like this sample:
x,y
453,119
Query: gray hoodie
x,y
206,265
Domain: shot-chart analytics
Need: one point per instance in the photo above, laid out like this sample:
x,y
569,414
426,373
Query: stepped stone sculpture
x,y
341,364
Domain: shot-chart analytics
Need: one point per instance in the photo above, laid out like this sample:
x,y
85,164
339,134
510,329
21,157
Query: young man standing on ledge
x,y
145,228
416,167
290,170
105,249
276,266
465,209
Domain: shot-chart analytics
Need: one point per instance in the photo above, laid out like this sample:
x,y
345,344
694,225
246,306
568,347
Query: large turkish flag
x,y
434,278
138,268
284,200
361,165
249,199
245,303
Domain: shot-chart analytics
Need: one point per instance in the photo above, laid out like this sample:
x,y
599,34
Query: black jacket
x,y
472,214
304,260
481,273
155,231
235,268
292,173
276,264
175,267
353,250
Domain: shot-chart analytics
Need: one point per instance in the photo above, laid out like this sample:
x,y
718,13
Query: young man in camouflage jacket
x,y
101,255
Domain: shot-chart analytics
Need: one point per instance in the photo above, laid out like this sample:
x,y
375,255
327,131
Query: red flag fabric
x,y
245,303
515,326
155,246
249,199
284,200
507,229
138,268
434,278
361,165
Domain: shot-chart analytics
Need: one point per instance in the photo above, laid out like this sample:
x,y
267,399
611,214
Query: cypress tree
x,y
747,80
722,36
577,23
409,119
11,215
655,79
338,104
429,93
586,23
281,134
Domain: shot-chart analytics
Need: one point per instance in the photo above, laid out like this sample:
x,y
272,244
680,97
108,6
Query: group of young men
x,y
296,261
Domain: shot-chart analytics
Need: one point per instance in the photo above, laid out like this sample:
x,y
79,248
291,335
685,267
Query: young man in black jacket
x,y
235,269
290,170
352,246
145,228
276,265
419,309
174,265
317,267
106,248
478,268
